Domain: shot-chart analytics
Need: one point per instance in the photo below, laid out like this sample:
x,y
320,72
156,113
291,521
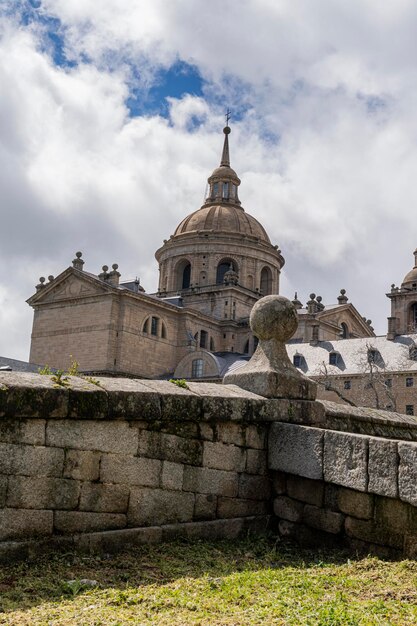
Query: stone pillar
x,y
392,327
114,276
270,372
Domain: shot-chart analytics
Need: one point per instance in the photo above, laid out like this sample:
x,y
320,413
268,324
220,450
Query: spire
x,y
225,154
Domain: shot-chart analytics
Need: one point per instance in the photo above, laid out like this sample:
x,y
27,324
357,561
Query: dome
x,y
411,277
221,218
223,171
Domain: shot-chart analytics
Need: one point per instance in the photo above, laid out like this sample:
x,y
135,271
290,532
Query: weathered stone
x,y
206,480
288,509
237,507
172,475
279,483
383,467
119,437
256,462
30,460
367,530
130,398
82,465
345,460
407,472
331,497
32,395
328,521
287,529
254,487
170,448
231,433
3,490
270,372
149,507
206,432
21,523
42,493
410,546
104,498
205,506
391,514
355,503
29,431
296,450
69,522
306,490
256,436
86,400
131,470
223,456
110,541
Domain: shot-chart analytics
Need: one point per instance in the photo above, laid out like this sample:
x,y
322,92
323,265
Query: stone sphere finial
x,y
78,255
312,296
227,130
42,279
105,268
115,266
50,278
273,317
270,372
343,291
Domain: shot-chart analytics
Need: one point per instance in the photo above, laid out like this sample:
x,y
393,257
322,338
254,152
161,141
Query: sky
x,y
111,117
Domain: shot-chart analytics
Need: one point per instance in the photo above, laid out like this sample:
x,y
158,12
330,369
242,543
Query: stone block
x,y
31,460
206,480
279,483
205,506
172,475
150,507
256,462
105,436
256,436
130,398
223,456
167,447
29,431
355,503
113,541
23,524
69,522
296,450
131,470
3,490
306,490
206,432
254,487
82,465
345,460
184,429
104,498
383,467
331,497
288,509
407,472
368,531
31,395
86,400
42,493
231,433
391,514
238,507
328,521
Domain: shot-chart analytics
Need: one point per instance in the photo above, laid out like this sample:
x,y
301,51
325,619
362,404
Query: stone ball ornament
x,y
274,317
270,373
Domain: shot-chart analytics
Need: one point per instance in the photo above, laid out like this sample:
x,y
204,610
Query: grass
x,y
248,582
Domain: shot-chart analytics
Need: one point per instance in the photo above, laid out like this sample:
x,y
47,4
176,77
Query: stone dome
x,y
222,218
411,277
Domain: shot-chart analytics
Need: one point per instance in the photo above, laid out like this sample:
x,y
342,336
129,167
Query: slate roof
x,y
18,366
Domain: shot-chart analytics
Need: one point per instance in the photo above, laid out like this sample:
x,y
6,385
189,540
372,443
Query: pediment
x,y
69,286
350,315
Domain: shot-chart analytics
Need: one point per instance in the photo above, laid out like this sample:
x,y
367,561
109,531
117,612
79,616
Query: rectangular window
x,y
333,358
215,189
197,368
154,326
388,383
409,382
347,384
225,190
297,360
409,409
203,339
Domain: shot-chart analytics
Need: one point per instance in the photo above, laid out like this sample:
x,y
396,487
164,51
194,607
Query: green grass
x,y
247,582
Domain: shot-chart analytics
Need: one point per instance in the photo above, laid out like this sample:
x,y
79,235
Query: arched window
x,y
222,268
145,328
211,344
163,331
183,274
186,276
197,368
246,348
344,333
203,339
266,281
413,317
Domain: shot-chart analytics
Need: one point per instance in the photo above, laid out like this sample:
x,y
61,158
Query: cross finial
x,y
227,117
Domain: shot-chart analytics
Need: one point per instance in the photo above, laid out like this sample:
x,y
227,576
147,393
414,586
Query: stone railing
x,y
98,465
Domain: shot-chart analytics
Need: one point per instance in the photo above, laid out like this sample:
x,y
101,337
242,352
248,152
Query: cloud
x,y
323,138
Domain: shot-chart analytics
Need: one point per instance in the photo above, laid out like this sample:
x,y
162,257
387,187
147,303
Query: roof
x,y
229,361
18,366
353,355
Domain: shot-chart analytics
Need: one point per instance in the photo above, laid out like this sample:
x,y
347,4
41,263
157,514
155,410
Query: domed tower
x,y
220,259
403,319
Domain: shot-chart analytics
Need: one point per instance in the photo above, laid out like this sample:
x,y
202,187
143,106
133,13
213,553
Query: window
x,y
344,333
215,190
347,384
145,328
409,382
297,360
266,281
163,331
246,348
409,409
225,190
203,339
197,368
388,383
211,344
154,325
186,276
373,355
222,268
233,193
333,358
412,353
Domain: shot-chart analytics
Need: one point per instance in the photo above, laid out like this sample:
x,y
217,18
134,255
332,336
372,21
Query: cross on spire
x,y
227,116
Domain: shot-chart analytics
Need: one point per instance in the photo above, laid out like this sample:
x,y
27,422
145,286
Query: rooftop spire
x,y
225,154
